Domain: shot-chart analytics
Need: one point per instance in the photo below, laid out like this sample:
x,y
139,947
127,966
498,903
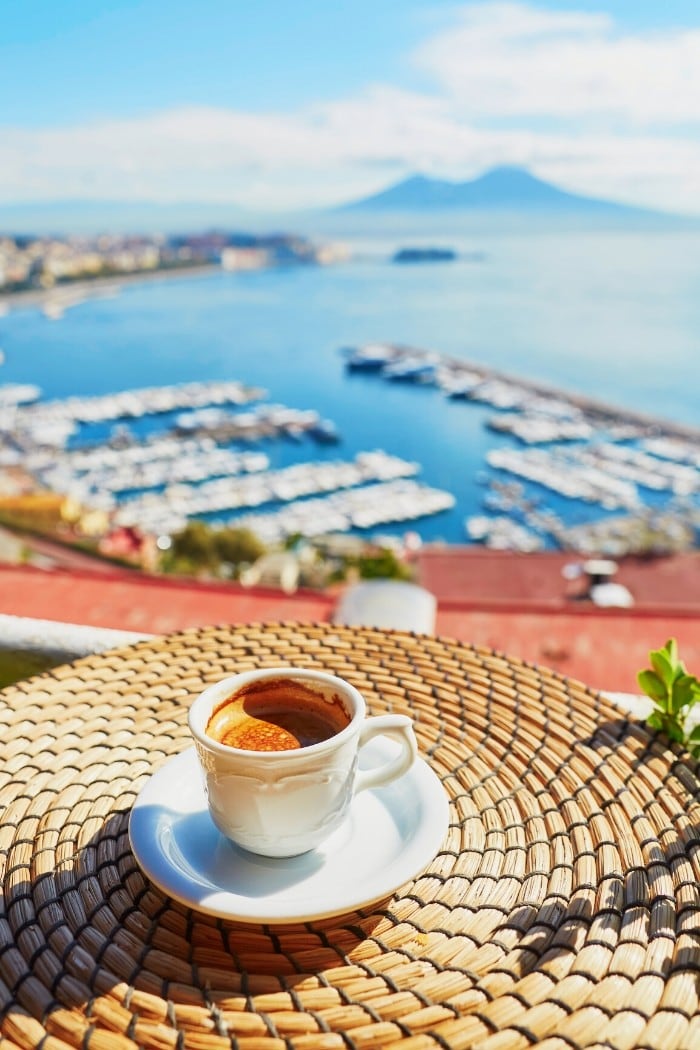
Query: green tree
x,y
193,549
237,546
200,548
382,564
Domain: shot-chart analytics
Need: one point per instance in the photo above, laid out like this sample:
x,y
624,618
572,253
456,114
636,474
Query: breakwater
x,y
460,378
575,447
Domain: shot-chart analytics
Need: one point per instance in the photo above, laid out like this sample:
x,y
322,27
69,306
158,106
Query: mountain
x,y
504,191
501,189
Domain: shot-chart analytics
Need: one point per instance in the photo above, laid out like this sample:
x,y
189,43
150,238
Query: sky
x,y
281,106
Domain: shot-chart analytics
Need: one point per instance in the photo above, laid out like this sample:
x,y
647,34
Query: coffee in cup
x,y
276,714
279,751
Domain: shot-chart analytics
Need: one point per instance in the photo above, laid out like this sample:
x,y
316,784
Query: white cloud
x,y
564,93
507,59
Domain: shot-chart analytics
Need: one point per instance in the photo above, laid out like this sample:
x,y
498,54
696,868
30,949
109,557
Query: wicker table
x,y
563,909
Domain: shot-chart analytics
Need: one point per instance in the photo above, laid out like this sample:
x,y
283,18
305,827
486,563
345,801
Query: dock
x,y
460,378
565,445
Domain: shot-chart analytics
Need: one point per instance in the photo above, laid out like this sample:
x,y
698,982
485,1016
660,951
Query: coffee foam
x,y
276,715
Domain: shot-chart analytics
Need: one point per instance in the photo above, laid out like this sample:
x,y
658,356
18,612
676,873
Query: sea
x,y
613,314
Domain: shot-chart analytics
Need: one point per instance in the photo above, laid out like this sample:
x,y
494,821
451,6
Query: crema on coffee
x,y
276,715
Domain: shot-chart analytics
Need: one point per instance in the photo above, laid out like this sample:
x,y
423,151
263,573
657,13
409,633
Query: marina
x,y
263,421
445,408
364,507
192,469
567,476
200,463
167,510
99,475
500,532
578,449
126,404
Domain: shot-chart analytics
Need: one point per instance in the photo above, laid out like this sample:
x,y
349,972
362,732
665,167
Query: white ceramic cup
x,y
282,803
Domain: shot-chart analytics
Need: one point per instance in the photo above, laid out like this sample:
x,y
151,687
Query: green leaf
x,y
665,669
671,649
655,720
653,686
674,731
683,693
674,693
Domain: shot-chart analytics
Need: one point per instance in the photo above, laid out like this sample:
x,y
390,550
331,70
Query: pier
x,y
571,446
459,378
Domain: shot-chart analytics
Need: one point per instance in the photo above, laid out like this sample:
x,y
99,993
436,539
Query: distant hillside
x,y
504,190
501,189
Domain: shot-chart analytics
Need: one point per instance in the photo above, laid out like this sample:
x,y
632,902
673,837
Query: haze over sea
x,y
609,313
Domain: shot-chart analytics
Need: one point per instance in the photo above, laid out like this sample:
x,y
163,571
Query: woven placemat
x,y
562,911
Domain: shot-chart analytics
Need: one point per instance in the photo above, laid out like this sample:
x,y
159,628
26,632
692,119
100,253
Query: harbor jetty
x,y
458,378
566,446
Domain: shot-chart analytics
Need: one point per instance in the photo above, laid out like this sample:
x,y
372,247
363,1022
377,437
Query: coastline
x,y
73,292
288,351
54,301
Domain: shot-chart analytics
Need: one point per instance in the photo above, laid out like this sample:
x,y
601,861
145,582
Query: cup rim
x,y
276,672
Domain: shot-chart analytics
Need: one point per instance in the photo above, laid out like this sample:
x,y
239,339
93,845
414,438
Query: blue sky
x,y
280,105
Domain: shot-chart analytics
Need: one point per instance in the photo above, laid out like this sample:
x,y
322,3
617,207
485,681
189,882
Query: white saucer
x,y
389,836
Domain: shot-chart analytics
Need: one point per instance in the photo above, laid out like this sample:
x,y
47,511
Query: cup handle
x,y
396,727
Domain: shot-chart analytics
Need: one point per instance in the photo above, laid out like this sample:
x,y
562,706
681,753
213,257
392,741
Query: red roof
x,y
147,604
520,604
497,578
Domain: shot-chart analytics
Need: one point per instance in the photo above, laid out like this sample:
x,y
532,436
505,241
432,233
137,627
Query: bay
x,y
614,315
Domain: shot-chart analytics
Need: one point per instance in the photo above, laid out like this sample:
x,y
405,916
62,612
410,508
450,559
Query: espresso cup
x,y
281,767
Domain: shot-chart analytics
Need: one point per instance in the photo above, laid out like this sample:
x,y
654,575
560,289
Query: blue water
x,y
615,315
